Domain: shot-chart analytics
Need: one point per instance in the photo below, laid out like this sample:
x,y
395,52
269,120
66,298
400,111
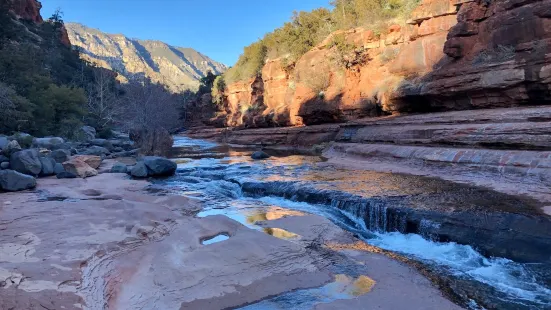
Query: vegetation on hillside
x,y
47,89
307,29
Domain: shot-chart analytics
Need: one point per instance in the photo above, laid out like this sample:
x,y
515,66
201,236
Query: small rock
x,y
3,142
60,155
79,168
13,181
48,165
12,147
49,143
103,143
139,170
3,158
66,175
58,168
26,162
4,165
91,160
95,150
159,166
259,155
119,168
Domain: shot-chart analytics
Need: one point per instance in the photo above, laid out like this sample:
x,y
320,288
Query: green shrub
x,y
307,29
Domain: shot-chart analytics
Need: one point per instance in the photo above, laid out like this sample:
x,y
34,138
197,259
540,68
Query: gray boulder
x,y
259,155
86,133
139,170
58,168
13,181
119,168
50,143
3,142
12,147
26,162
159,166
61,156
4,165
95,150
48,165
66,175
103,143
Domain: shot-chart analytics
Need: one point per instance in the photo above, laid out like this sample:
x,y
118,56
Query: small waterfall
x,y
374,215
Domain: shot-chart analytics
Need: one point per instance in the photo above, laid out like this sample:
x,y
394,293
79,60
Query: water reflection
x,y
215,239
280,233
343,287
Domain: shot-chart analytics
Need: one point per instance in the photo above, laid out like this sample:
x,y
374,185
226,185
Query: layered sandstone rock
x,y
26,9
451,55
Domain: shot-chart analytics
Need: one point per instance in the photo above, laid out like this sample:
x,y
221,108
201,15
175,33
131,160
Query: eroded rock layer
x,y
452,55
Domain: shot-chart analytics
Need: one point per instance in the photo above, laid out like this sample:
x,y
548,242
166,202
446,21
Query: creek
x,y
489,249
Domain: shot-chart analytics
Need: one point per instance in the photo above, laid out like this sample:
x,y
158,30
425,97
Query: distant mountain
x,y
176,67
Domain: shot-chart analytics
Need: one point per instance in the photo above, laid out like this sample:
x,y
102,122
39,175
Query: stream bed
x,y
489,249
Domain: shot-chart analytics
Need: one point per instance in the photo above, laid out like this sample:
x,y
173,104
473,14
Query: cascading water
x,y
372,206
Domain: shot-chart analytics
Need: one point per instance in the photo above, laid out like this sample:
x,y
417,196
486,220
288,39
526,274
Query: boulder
x,y
61,155
103,143
26,162
4,165
12,147
48,165
3,142
58,168
259,155
95,150
86,133
50,143
92,160
66,175
23,139
155,141
79,168
139,170
159,166
4,159
119,168
12,181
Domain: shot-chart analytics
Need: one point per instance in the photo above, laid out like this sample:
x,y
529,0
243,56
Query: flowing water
x,y
362,202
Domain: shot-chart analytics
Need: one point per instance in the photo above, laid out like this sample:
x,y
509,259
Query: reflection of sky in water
x,y
344,287
219,238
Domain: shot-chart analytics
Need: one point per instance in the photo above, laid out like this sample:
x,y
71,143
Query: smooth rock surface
x,y
58,168
50,143
26,162
48,165
95,150
139,170
12,181
79,168
258,155
5,165
60,155
159,166
119,168
91,160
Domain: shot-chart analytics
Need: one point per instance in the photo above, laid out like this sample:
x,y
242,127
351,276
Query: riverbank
x,y
112,242
507,150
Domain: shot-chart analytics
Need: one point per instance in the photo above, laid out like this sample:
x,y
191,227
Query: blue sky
x,y
217,28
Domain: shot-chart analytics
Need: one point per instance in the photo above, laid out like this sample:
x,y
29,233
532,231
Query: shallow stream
x,y
229,182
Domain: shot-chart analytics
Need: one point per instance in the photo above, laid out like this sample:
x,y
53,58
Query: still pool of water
x,y
227,180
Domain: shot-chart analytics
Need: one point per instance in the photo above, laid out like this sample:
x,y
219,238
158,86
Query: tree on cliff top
x,y
307,29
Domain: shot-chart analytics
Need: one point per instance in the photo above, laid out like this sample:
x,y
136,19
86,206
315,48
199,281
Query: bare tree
x,y
148,105
104,107
150,114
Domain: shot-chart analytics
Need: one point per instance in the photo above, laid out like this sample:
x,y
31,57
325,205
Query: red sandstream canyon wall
x,y
451,55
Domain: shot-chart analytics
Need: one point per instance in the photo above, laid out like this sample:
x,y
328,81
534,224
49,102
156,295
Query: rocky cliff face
x,y
177,68
26,9
452,55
